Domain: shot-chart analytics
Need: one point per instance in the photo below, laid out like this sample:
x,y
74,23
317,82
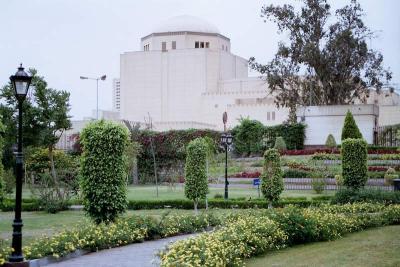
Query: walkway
x,y
135,255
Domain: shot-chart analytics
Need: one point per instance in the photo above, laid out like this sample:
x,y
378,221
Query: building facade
x,y
185,76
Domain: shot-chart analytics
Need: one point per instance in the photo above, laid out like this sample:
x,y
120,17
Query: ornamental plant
x,y
196,184
350,128
330,141
280,143
272,182
354,163
390,175
103,170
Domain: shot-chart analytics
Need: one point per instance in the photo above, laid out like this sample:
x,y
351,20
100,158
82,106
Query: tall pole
x,y
16,255
226,171
97,99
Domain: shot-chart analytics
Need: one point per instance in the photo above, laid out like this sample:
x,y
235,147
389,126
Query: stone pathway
x,y
135,255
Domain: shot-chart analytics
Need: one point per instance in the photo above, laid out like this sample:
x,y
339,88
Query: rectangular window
x,y
164,46
173,45
207,45
202,45
196,45
268,116
273,115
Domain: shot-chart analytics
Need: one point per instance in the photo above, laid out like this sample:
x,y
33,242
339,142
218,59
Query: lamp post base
x,y
16,264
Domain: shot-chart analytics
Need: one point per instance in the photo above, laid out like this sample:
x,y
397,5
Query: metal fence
x,y
386,136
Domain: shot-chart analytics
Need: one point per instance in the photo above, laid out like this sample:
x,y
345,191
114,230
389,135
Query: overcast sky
x,y
64,39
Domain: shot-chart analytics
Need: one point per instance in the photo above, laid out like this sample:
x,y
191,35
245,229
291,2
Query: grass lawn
x,y
149,192
374,247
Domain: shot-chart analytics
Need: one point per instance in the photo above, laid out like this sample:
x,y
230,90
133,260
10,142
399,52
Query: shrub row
x,y
344,196
245,235
124,231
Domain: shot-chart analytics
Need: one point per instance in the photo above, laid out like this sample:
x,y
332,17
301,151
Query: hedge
x,y
293,134
354,163
344,196
169,148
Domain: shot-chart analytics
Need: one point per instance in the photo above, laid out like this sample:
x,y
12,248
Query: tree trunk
x,y
195,207
53,171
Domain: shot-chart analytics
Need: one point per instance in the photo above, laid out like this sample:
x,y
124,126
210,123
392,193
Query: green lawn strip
x,y
372,247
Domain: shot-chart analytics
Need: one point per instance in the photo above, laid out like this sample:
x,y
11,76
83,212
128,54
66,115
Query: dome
x,y
185,24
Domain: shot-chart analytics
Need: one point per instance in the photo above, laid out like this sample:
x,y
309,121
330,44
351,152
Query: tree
x,y
272,182
350,128
248,136
330,141
354,163
326,61
103,169
280,144
196,184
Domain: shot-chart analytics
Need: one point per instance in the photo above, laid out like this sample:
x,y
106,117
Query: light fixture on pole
x,y
20,82
226,142
102,78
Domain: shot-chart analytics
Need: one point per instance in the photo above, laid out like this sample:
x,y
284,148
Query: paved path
x,y
140,255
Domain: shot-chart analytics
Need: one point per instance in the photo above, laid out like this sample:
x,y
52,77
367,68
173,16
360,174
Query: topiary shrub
x,y
196,184
350,128
354,163
280,144
390,175
330,141
271,177
248,136
103,168
318,185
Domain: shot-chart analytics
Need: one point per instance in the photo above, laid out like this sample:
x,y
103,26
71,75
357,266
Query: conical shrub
x,y
350,128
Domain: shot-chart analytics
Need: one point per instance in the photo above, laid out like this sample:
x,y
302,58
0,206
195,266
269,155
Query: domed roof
x,y
185,23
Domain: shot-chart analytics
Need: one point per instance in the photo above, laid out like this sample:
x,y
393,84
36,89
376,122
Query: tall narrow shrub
x,y
354,163
350,128
330,141
103,170
2,182
280,144
196,184
272,182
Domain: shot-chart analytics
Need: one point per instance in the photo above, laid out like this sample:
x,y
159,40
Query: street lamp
x,y
226,141
102,78
20,82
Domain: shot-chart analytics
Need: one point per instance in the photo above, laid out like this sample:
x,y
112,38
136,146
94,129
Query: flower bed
x,y
124,231
256,232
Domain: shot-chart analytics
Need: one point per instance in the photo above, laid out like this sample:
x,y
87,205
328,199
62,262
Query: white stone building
x,y
116,97
186,77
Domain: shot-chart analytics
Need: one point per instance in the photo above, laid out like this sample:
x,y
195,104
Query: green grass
x,y
374,247
165,193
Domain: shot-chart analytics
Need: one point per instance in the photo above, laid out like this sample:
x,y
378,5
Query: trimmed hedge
x,y
345,195
293,134
271,177
354,163
350,128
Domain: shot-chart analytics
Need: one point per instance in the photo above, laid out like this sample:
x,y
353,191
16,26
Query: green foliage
x,y
280,144
318,185
272,182
348,195
325,156
248,136
3,185
354,163
196,184
293,134
330,141
350,128
103,170
313,67
390,175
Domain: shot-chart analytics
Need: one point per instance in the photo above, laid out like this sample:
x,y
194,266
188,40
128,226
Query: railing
x,y
386,136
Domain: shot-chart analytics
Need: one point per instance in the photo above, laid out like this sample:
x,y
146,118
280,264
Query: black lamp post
x,y
20,82
226,141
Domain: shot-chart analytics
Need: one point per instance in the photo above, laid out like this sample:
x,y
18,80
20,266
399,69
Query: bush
x,y
293,134
196,184
354,163
280,144
390,175
248,136
272,182
339,179
103,170
318,185
325,156
348,195
350,128
330,141
294,173
9,181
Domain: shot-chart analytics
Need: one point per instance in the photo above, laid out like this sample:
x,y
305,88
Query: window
x,y
199,44
202,45
268,116
164,46
146,47
196,45
207,45
273,115
173,45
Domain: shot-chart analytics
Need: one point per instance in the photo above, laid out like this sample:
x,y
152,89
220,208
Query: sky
x,y
65,39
